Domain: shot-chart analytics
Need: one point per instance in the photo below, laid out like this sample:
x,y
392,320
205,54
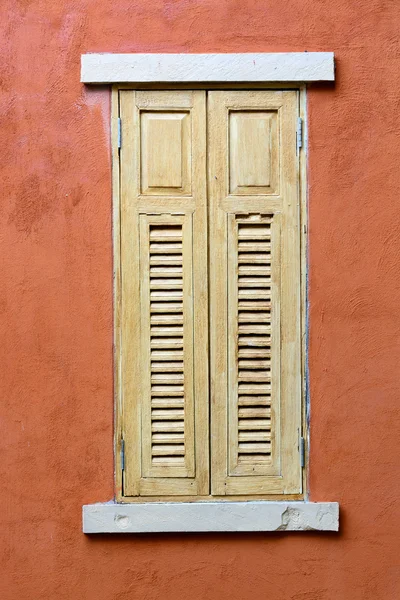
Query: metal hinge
x,y
122,454
302,450
299,132
119,134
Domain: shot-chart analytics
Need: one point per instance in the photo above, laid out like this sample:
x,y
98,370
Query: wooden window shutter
x,y
164,293
254,292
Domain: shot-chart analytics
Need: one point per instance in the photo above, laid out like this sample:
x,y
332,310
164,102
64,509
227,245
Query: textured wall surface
x,y
56,304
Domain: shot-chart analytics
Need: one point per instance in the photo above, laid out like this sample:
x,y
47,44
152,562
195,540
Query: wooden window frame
x,y
116,209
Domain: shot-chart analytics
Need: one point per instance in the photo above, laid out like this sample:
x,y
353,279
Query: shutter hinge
x,y
302,450
299,132
119,134
122,454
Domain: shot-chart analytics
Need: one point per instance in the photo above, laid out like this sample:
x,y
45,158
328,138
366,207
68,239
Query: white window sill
x,y
210,516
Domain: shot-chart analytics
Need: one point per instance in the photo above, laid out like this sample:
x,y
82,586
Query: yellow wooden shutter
x,y
164,293
254,292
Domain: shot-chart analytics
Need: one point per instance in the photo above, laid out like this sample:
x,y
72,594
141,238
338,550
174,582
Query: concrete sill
x,y
186,68
210,516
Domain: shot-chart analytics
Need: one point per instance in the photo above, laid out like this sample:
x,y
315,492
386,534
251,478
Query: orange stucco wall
x,y
56,304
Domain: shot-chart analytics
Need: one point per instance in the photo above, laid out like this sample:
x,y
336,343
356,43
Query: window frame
x,y
117,292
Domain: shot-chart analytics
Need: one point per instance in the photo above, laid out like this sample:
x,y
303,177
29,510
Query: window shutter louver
x,y
164,291
254,293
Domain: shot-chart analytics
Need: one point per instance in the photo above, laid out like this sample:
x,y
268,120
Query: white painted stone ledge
x,y
186,68
210,516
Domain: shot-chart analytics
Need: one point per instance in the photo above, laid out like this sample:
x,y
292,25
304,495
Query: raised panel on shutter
x,y
165,154
253,152
254,293
164,289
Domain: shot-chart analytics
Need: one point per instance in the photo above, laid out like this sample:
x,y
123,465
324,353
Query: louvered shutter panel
x,y
164,293
254,293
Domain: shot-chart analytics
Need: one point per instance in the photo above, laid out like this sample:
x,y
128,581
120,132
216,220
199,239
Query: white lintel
x,y
191,68
219,516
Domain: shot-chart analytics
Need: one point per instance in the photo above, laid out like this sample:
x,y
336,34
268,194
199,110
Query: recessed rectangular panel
x,y
253,152
165,153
